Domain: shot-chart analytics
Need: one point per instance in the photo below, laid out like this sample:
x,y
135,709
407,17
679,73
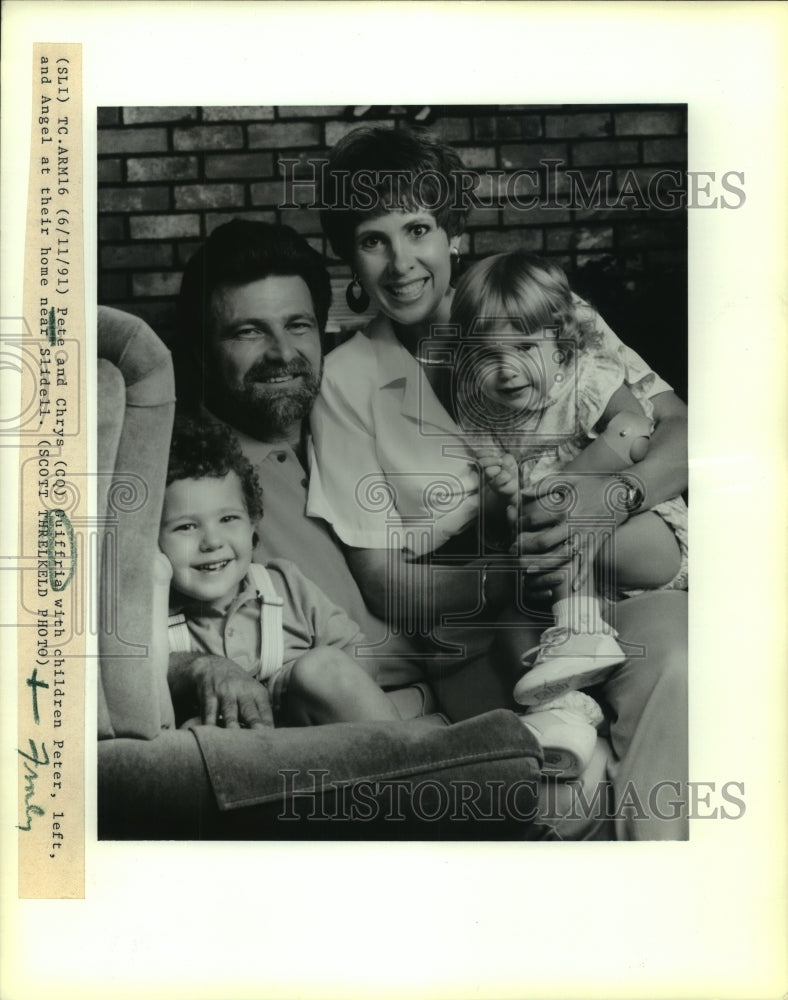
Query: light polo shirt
x,y
286,532
391,469
309,619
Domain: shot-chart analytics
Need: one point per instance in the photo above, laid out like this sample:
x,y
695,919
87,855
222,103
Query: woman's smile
x,y
407,291
403,261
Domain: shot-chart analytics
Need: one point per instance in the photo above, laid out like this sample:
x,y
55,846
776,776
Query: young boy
x,y
272,620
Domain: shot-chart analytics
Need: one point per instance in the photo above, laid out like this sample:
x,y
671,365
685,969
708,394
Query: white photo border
x,y
702,919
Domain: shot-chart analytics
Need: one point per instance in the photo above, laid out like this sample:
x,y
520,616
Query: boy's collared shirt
x,y
309,619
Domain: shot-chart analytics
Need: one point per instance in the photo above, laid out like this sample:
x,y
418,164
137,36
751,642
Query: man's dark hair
x,y
202,450
429,170
238,253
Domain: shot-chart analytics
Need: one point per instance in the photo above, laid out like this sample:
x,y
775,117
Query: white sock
x,y
579,613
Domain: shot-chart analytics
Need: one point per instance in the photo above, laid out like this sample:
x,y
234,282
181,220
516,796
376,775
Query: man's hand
x,y
228,694
543,528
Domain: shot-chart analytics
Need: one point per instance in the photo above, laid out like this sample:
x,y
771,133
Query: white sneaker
x,y
566,730
564,661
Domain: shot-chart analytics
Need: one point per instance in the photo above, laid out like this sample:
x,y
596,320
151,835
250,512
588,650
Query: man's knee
x,y
653,631
324,666
654,628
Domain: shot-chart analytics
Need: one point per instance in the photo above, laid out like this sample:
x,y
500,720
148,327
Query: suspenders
x,y
272,645
271,634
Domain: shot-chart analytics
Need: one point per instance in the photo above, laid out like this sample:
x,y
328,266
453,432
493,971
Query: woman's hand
x,y
228,695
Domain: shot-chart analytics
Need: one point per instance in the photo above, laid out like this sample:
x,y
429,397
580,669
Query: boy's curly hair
x,y
201,450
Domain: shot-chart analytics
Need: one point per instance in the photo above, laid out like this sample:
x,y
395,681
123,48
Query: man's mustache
x,y
263,372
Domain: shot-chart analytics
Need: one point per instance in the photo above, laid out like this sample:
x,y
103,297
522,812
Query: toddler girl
x,y
538,397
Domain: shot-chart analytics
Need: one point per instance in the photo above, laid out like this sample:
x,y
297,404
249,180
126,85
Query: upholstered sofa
x,y
156,780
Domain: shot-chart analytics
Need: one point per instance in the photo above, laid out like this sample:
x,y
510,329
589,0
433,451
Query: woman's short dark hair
x,y
202,450
240,252
402,168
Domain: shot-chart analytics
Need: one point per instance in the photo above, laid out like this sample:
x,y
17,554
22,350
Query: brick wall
x,y
168,176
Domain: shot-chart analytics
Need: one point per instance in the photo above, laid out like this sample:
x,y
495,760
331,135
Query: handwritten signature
x,y
31,775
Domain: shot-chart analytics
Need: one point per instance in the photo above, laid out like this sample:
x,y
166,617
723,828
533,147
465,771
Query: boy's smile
x,y
208,538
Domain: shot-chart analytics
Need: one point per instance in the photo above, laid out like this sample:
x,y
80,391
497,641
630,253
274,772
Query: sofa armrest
x,y
135,379
347,781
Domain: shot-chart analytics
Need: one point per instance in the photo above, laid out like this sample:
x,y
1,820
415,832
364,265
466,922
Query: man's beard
x,y
263,409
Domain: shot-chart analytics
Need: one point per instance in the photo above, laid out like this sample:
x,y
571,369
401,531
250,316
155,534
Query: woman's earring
x,y
355,296
455,268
